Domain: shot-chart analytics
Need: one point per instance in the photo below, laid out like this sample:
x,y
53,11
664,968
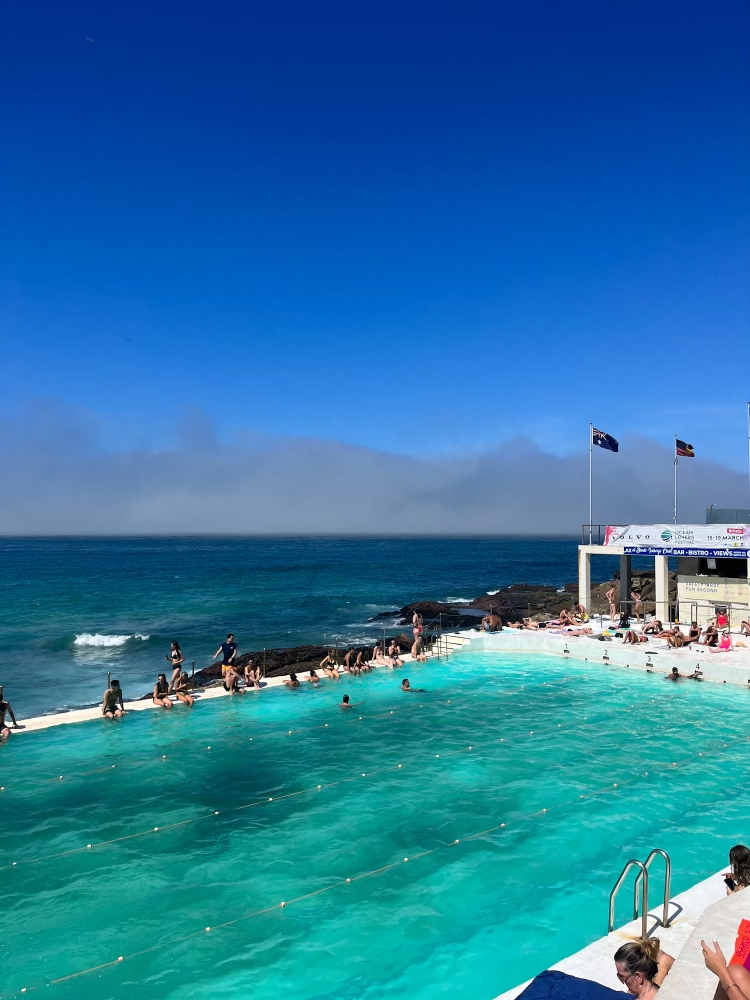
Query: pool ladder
x,y
641,888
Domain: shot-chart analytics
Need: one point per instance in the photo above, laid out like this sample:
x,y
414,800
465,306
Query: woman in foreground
x,y
641,967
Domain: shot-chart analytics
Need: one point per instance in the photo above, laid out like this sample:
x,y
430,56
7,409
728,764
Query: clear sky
x,y
421,227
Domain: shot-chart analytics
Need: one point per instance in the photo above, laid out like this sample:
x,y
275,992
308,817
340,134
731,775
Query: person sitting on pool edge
x,y
417,651
161,692
329,666
492,623
182,690
5,707
252,675
113,696
738,877
362,663
641,966
394,654
231,682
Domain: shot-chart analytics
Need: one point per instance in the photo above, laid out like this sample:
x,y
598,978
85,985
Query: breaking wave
x,y
96,639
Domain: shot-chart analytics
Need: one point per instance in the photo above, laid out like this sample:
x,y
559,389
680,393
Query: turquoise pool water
x,y
468,919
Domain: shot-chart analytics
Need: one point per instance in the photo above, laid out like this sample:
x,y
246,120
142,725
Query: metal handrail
x,y
618,883
667,882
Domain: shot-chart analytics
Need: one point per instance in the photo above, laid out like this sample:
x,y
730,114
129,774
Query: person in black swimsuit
x,y
176,658
5,707
161,692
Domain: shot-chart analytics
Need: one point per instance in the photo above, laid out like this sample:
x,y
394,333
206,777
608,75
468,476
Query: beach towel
x,y
560,986
741,954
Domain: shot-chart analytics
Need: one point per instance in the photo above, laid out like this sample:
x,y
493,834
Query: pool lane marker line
x,y
505,741
283,904
233,744
236,727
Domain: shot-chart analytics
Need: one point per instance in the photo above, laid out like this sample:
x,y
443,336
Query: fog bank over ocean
x,y
58,479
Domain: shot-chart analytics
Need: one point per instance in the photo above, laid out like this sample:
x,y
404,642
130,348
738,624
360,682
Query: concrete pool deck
x,y
595,961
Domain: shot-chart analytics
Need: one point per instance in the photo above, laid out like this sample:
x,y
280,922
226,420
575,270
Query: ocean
x,y
72,609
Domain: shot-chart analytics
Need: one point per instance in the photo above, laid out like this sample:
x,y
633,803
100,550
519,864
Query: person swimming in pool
x,y
175,657
292,681
182,690
4,729
674,675
406,686
312,677
113,706
345,702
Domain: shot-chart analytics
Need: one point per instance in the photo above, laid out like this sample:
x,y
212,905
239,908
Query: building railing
x,y
593,534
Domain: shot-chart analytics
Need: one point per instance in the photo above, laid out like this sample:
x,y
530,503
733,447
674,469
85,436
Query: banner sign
x,y
707,540
632,550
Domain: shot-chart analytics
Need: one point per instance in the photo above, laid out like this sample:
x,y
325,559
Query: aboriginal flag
x,y
603,440
683,450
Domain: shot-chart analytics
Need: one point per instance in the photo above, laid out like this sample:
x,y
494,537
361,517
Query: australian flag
x,y
603,440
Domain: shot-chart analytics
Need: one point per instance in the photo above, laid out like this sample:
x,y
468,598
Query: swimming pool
x,y
467,919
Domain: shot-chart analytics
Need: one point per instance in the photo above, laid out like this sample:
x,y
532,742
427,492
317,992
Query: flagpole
x,y
675,479
591,458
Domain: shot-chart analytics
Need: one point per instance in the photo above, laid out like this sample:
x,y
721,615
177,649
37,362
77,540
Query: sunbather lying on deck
x,y
634,638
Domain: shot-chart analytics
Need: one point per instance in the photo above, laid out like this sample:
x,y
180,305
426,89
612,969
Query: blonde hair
x,y
640,955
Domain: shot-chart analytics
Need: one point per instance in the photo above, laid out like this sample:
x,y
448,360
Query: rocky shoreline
x,y
520,600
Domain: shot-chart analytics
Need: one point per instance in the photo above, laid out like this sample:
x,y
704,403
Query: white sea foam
x,y
96,639
459,600
491,593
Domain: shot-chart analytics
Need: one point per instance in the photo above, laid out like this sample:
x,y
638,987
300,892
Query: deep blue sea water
x,y
73,608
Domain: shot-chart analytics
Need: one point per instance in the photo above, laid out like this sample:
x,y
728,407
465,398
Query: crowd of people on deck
x,y
249,677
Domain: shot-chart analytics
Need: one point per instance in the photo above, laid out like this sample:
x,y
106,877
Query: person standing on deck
x,y
611,594
5,707
227,650
176,658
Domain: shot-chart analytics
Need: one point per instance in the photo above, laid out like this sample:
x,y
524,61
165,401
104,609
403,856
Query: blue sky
x,y
418,227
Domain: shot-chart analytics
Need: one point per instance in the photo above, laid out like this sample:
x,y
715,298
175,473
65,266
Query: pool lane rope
x,y
609,788
500,742
220,741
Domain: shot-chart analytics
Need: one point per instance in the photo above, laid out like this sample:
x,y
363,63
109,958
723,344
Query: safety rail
x,y
633,862
640,890
667,882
